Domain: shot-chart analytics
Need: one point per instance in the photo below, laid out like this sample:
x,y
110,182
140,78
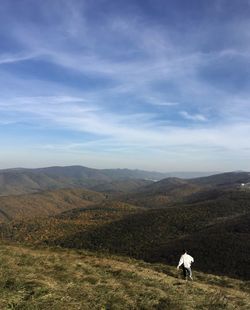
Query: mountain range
x,y
22,181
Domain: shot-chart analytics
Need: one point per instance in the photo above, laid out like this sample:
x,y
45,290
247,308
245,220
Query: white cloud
x,y
12,58
193,117
160,101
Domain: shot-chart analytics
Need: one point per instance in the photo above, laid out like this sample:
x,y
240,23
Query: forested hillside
x,y
45,203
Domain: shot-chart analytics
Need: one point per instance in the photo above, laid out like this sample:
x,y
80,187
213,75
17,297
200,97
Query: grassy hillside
x,y
62,279
45,203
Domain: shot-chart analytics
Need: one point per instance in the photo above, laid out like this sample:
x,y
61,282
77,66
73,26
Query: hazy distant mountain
x,y
20,181
121,186
173,190
224,179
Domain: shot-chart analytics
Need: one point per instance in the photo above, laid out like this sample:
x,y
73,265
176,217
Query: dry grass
x,y
45,278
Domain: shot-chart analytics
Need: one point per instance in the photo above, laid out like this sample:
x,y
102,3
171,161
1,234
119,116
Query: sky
x,y
150,84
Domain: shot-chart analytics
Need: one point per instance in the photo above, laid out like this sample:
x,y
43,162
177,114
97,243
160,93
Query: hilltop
x,y
46,278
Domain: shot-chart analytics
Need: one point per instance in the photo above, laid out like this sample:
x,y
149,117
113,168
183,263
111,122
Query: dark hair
x,y
184,251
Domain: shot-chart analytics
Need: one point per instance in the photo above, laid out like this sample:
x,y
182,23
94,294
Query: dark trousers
x,y
186,272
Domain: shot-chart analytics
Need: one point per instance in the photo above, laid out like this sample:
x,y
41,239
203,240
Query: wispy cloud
x,y
160,102
127,79
130,130
13,58
193,117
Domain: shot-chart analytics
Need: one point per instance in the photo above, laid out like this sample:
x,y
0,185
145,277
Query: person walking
x,y
185,262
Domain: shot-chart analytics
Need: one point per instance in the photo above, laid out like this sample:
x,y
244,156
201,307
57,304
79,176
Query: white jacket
x,y
186,260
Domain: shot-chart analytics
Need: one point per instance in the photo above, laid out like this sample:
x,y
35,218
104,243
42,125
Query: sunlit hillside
x,y
45,203
65,224
44,278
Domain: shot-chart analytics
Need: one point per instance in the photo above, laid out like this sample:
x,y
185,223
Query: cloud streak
x,y
193,117
8,59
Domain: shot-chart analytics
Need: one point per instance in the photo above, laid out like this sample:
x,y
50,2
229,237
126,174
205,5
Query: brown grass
x,y
45,278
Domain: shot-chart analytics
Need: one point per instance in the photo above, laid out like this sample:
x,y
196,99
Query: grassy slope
x,y
65,279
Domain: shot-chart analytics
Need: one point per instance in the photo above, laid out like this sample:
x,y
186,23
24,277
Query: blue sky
x,y
157,85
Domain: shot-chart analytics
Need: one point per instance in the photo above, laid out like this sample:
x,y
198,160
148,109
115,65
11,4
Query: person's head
x,y
184,251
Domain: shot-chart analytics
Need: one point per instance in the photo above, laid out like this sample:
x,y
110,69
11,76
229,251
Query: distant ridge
x,y
18,181
172,190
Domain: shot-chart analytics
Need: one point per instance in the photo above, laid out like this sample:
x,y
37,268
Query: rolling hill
x,y
22,181
47,230
162,193
170,191
118,187
45,203
224,179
